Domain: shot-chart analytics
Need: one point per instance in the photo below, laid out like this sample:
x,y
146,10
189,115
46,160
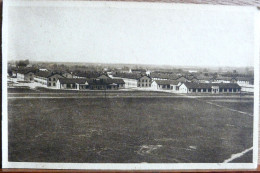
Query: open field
x,y
124,129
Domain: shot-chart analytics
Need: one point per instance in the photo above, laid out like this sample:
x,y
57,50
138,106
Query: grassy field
x,y
133,130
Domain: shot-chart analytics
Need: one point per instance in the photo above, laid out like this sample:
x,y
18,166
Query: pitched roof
x,y
224,78
181,77
105,81
72,80
144,76
141,70
103,76
127,75
88,74
26,70
244,78
164,76
45,74
209,85
166,82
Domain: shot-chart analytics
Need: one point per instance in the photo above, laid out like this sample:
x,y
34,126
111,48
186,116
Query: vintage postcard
x,y
129,85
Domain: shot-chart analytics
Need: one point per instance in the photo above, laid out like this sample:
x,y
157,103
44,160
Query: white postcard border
x,y
119,166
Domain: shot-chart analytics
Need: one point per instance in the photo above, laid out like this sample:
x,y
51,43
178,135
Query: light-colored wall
x,y
144,82
183,89
52,80
130,83
41,80
154,85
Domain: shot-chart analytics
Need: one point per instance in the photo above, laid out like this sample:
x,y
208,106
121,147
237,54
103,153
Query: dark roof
x,y
127,75
179,78
88,74
144,76
103,76
141,70
26,70
209,85
244,78
224,78
166,82
164,76
45,74
105,81
72,80
201,77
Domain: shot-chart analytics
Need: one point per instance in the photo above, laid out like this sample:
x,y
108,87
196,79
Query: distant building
x,y
103,77
67,75
47,79
244,80
144,82
163,76
130,79
193,71
182,79
86,74
43,69
105,84
223,80
141,71
191,87
25,75
72,83
90,84
165,85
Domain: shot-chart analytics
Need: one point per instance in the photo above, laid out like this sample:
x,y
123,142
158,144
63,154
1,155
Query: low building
x,y
25,75
192,87
130,79
67,75
144,82
91,84
244,81
182,79
223,80
165,85
103,76
47,79
139,71
72,83
105,84
163,76
86,74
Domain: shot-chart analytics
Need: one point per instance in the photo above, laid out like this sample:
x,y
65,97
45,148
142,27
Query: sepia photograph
x,y
129,85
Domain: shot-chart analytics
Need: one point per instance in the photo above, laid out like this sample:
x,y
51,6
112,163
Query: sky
x,y
122,33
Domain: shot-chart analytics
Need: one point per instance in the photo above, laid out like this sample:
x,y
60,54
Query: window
x,y
54,84
142,84
220,90
146,85
199,90
49,79
230,90
143,80
149,85
49,84
204,90
54,79
194,90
